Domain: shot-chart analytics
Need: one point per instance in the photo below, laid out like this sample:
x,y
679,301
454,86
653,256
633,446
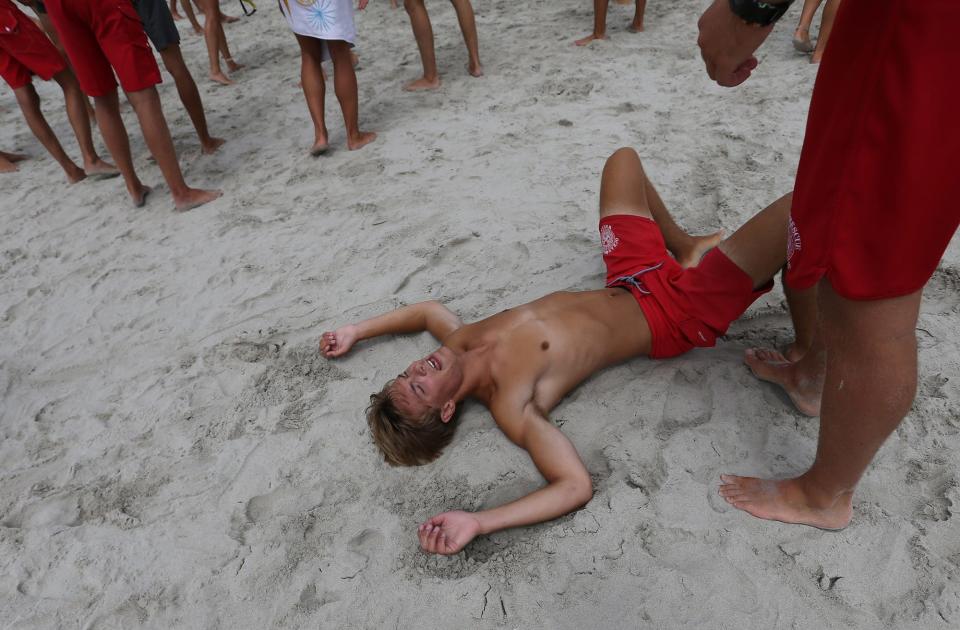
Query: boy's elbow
x,y
582,489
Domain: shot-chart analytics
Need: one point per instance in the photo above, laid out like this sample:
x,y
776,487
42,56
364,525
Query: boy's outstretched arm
x,y
568,487
431,316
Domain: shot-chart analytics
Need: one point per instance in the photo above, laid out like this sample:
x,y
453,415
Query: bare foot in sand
x,y
194,198
210,145
359,141
228,19
422,84
636,27
98,169
139,195
801,40
232,65
589,38
221,78
771,366
75,174
321,142
698,249
8,162
475,69
787,501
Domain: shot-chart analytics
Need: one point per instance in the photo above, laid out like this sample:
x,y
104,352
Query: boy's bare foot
x,y
636,27
139,196
786,501
475,69
773,367
362,139
701,245
8,162
221,78
801,40
210,145
589,38
75,174
422,84
195,197
319,148
99,169
228,19
232,65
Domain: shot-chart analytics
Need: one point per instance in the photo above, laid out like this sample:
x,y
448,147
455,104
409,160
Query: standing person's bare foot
x,y
636,27
475,69
804,391
210,145
99,169
787,501
232,65
321,142
228,19
698,249
221,78
75,174
139,195
589,38
8,162
422,84
360,140
194,198
801,40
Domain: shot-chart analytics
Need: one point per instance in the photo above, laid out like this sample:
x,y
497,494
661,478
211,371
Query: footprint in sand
x,y
689,404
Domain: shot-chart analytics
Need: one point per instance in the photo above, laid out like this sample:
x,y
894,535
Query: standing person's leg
x,y
468,26
599,23
77,104
224,48
146,103
190,97
423,32
624,186
29,103
212,32
192,17
314,89
801,36
826,25
637,25
345,86
115,136
871,378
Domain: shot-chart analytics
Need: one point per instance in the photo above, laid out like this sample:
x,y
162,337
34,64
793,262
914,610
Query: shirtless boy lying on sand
x,y
520,363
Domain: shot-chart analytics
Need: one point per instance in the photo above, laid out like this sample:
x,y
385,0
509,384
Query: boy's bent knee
x,y
624,153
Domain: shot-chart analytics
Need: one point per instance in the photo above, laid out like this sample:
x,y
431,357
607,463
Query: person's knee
x,y
624,154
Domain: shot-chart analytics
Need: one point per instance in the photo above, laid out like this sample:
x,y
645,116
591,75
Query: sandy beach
x,y
174,452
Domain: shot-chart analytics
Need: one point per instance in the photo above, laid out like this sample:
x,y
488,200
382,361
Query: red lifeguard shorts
x,y
685,308
24,49
98,34
877,196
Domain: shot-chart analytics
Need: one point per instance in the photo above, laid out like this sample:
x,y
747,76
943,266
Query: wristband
x,y
759,12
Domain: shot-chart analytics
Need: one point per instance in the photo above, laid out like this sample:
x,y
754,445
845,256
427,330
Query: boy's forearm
x,y
558,498
406,319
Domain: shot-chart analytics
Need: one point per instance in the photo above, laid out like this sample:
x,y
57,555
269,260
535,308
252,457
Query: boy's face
x,y
428,383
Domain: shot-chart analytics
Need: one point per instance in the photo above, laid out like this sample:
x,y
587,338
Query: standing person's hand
x,y
727,44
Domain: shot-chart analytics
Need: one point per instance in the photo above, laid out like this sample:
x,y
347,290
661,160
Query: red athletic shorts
x,y
877,196
685,308
24,49
98,34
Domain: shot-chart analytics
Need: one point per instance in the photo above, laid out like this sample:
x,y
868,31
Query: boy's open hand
x,y
448,533
337,343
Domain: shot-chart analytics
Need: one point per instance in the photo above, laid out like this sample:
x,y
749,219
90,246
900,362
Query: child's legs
x,y
311,57
806,14
345,84
29,103
76,102
600,17
423,32
107,108
186,88
759,247
468,26
211,33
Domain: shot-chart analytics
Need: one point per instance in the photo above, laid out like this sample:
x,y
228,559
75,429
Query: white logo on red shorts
x,y
794,244
608,240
